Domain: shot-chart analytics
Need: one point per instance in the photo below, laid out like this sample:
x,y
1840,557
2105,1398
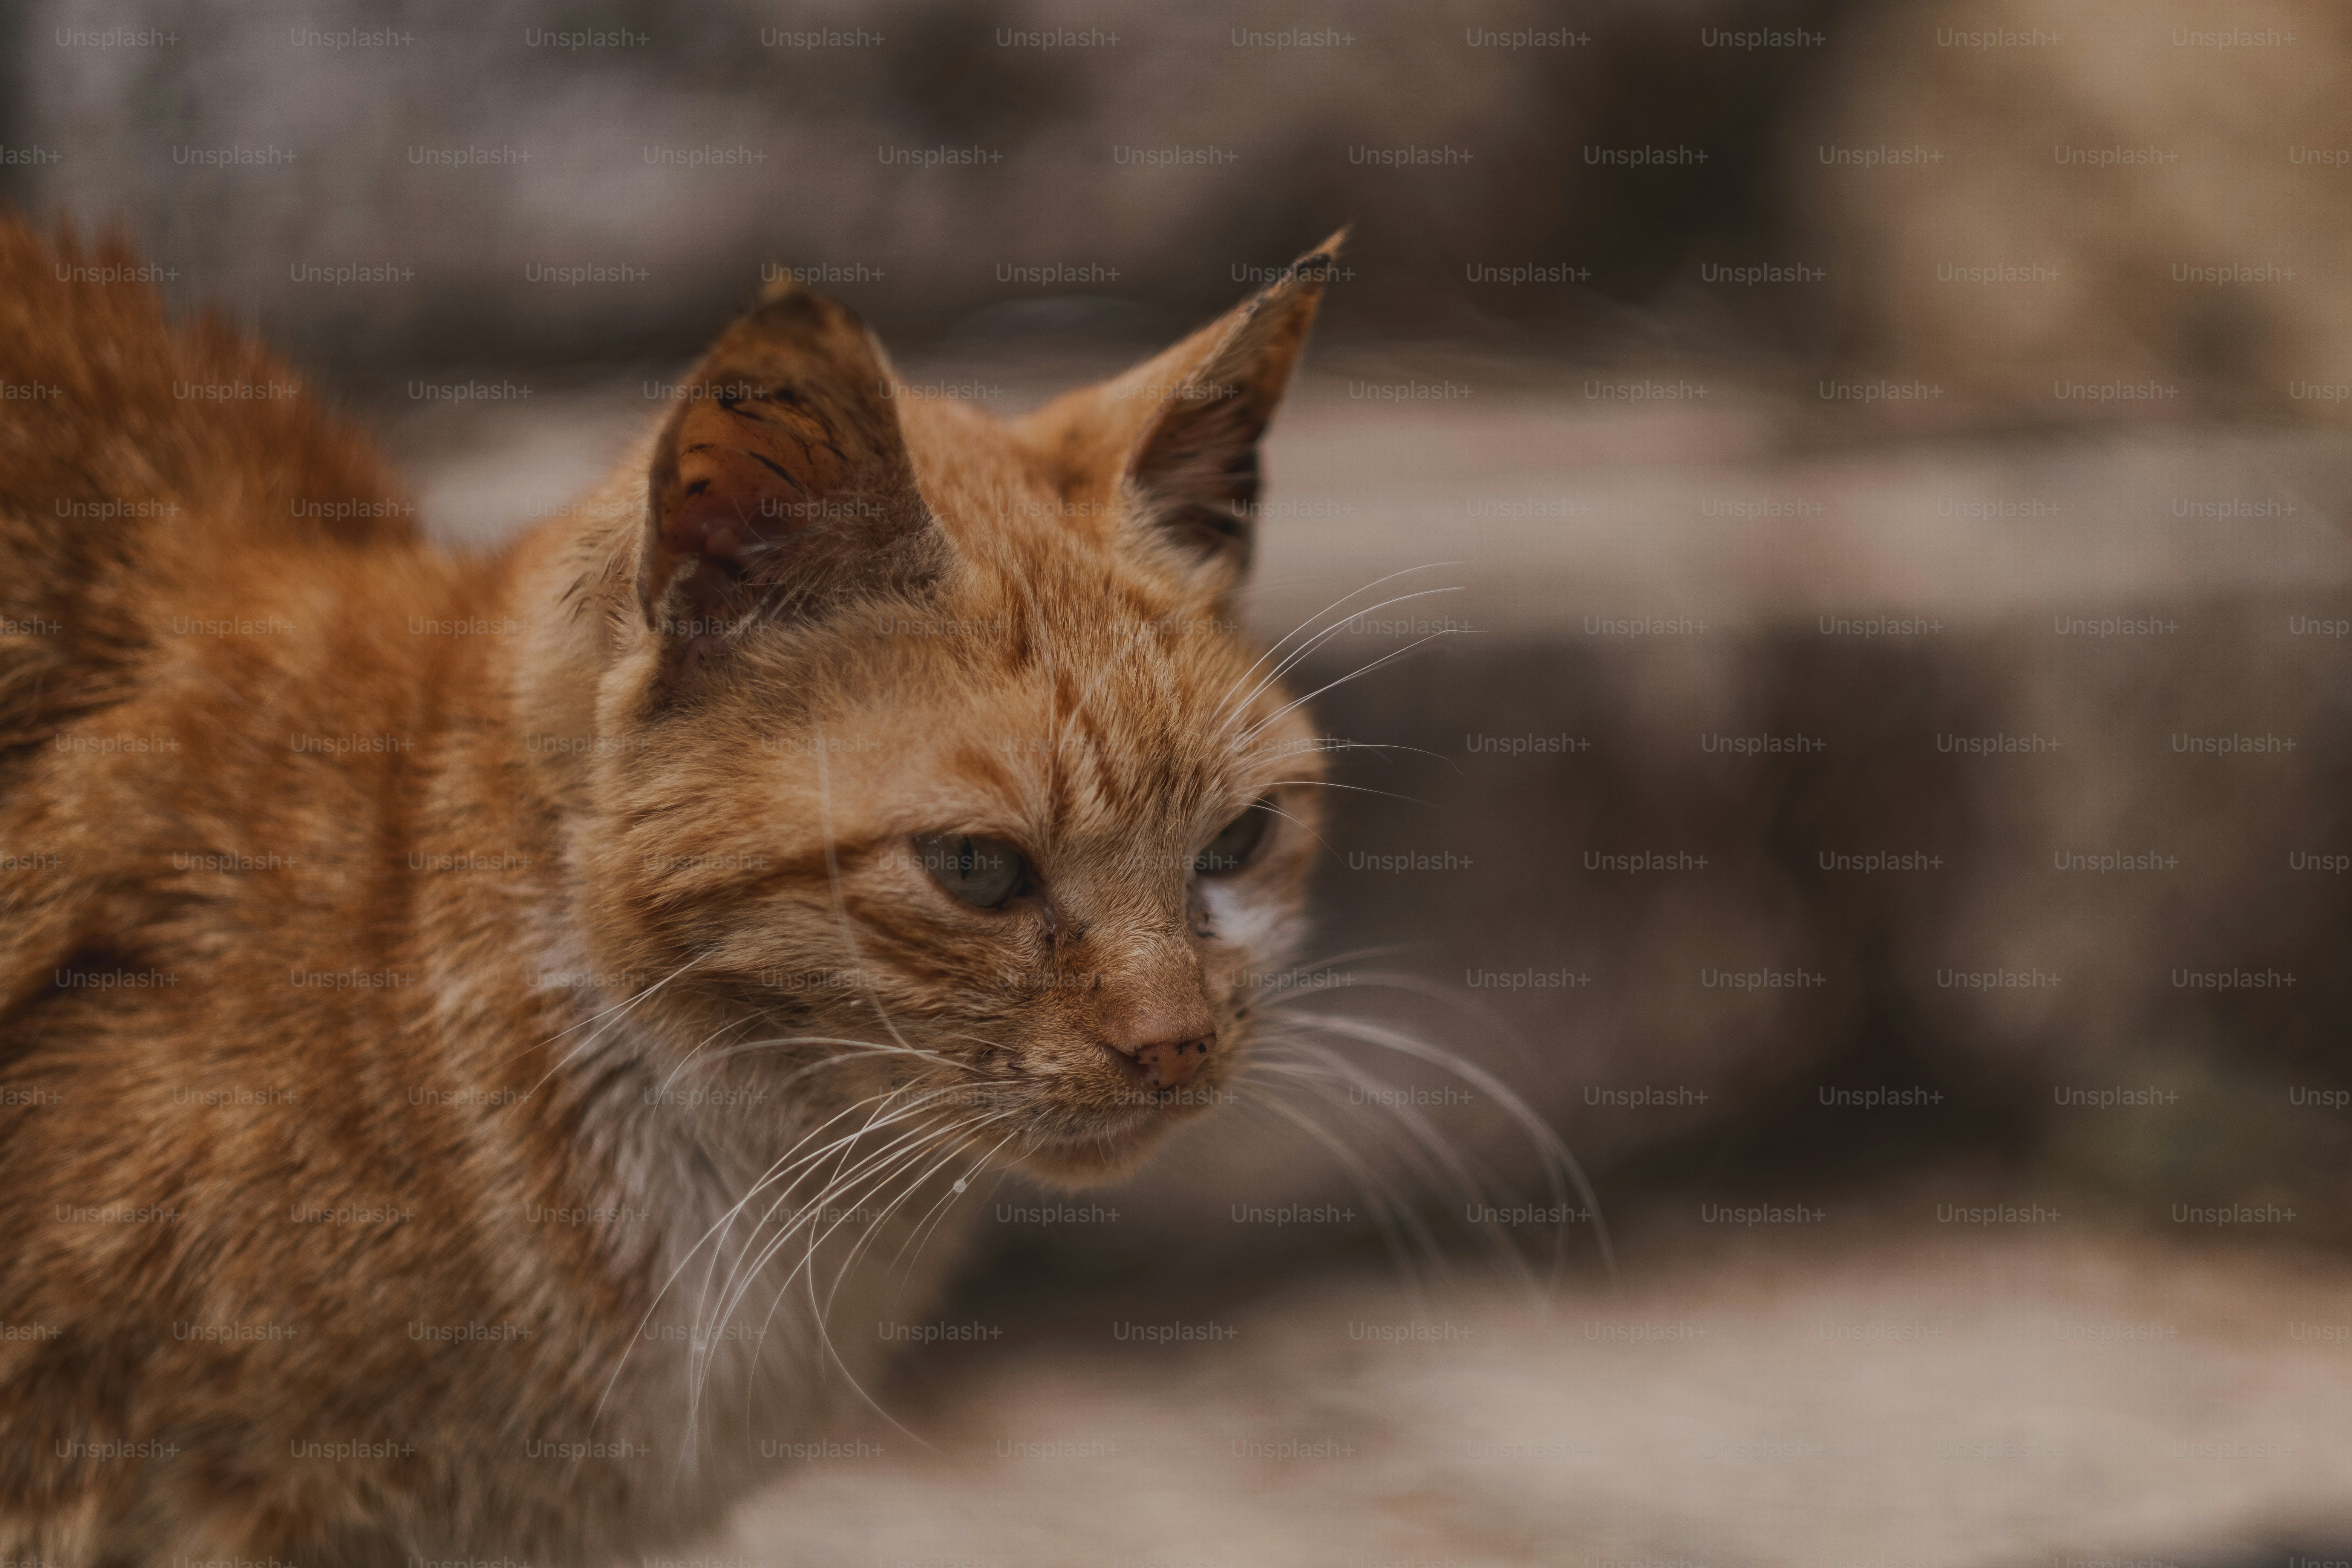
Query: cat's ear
x,y
781,484
1174,441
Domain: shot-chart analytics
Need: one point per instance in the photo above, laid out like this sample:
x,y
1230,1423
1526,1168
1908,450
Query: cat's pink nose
x,y
1172,1064
1166,1047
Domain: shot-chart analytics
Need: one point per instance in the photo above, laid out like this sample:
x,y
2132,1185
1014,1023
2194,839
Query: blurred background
x,y
1873,780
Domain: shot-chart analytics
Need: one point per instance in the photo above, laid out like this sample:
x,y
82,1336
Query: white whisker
x,y
1310,620
1259,728
1228,717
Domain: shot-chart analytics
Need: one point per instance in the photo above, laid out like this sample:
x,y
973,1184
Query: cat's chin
x,y
1091,1161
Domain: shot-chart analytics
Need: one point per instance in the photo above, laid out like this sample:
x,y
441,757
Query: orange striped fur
x,y
465,1022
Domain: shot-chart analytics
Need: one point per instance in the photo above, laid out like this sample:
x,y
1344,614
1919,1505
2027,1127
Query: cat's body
x,y
375,926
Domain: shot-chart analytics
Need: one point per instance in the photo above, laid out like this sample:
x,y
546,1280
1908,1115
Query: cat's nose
x,y
1172,1064
1167,1047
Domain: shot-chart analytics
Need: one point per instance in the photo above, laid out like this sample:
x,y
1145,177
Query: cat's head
x,y
932,759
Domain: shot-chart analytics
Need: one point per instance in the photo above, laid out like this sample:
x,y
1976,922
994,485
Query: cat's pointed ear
x,y
1174,441
782,483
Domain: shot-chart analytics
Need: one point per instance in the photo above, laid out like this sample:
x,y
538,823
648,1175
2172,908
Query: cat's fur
x,y
406,961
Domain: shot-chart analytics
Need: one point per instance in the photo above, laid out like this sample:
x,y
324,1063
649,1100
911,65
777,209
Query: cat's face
x,y
936,767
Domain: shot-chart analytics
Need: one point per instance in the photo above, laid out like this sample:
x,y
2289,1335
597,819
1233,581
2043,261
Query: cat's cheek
x,y
1237,917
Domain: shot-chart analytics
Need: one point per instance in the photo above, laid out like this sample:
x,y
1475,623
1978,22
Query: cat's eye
x,y
983,872
1236,842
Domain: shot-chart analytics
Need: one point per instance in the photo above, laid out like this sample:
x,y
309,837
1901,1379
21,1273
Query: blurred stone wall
x,y
930,161
2132,201
2144,202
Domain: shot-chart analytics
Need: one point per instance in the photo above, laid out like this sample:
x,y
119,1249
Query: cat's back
x,y
232,676
211,598
148,467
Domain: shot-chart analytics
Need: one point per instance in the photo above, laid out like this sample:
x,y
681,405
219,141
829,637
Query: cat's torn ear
x,y
1175,440
781,486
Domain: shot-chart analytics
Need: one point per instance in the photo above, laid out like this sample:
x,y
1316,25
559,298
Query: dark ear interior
x,y
781,483
1194,477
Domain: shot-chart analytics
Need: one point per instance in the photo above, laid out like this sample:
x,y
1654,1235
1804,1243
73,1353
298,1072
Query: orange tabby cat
x,y
467,1024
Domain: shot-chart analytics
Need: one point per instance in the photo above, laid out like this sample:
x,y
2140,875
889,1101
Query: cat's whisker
x,y
1449,996
713,1237
925,1227
1338,960
892,1161
1559,1166
955,1189
1390,1215
1429,1155
1428,1165
789,1172
1425,1147
1325,745
1277,646
820,1313
624,1010
932,1219
1230,721
731,1291
711,1336
913,1187
1311,832
1259,728
701,1046
994,1047
863,1049
1269,1006
1281,1026
617,1006
812,1212
1291,660
742,1274
1353,789
874,1228
840,1150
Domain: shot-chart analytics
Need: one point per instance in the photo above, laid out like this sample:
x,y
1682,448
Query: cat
x,y
469,1025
